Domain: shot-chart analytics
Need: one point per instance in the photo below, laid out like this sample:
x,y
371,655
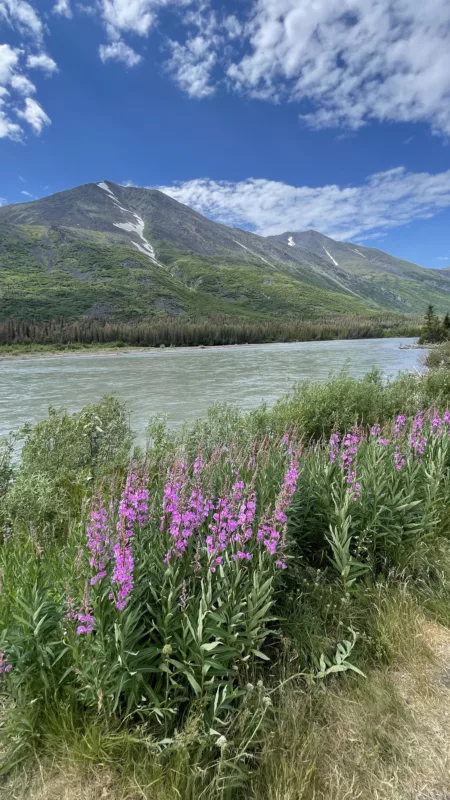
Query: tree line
x,y
435,330
170,332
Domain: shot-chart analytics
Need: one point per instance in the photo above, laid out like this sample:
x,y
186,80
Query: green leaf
x,y
258,654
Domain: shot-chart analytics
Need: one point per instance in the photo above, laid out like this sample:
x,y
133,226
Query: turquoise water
x,y
183,383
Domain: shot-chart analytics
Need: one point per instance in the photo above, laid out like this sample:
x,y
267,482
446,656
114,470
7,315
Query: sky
x,y
270,115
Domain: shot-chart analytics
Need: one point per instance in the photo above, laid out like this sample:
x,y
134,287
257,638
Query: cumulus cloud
x,y
63,9
22,84
131,16
8,128
443,258
352,61
16,87
119,51
191,65
34,114
344,63
385,200
21,15
9,58
192,62
42,61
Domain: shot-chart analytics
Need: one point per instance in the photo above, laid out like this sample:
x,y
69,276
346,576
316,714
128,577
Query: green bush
x,y
61,457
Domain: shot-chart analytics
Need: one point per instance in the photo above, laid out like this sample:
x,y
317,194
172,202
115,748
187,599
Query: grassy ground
x,y
386,737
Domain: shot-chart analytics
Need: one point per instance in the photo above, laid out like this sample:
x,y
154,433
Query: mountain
x,y
129,253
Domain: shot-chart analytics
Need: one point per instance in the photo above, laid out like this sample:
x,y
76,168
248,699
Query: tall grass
x,y
175,610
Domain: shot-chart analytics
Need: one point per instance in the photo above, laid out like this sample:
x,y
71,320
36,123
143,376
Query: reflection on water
x,y
183,383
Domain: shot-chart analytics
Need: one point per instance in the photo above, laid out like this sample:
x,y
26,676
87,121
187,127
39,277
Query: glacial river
x,y
182,383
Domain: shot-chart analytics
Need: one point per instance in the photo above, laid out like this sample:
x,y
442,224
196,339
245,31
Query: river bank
x,y
24,351
131,351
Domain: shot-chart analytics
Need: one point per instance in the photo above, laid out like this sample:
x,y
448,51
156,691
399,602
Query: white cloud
x,y
233,27
353,61
22,180
21,15
42,61
191,65
22,84
62,7
192,62
34,114
9,58
385,200
119,51
9,129
443,258
16,87
27,194
133,16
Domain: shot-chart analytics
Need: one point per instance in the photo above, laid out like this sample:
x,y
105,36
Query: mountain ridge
x,y
124,243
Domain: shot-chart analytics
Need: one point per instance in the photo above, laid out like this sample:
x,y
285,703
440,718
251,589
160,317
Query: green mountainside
x,y
129,253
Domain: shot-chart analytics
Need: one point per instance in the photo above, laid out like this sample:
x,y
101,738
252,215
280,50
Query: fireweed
x,y
132,513
173,587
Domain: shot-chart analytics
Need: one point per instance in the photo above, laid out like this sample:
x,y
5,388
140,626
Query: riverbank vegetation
x,y
434,330
222,613
18,336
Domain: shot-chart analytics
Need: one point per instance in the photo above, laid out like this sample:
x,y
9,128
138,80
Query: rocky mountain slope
x,y
127,252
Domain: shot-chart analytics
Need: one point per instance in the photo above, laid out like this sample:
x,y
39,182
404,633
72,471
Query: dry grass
x,y
387,738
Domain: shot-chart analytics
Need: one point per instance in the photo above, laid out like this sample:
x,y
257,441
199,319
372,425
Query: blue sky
x,y
272,115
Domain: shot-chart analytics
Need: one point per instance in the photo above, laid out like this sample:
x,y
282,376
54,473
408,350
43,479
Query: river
x,y
183,383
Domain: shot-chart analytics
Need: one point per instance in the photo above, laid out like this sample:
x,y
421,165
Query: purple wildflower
x,y
184,509
349,451
272,531
4,665
98,541
242,556
334,447
133,509
416,440
435,422
399,423
198,465
87,625
399,460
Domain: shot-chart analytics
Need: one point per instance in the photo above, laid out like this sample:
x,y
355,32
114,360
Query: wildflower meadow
x,y
158,602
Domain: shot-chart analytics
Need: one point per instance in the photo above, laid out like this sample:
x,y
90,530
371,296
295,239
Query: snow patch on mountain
x,y
331,257
105,187
254,254
138,228
359,253
291,242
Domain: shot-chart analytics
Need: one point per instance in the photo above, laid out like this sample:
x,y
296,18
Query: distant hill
x,y
102,249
